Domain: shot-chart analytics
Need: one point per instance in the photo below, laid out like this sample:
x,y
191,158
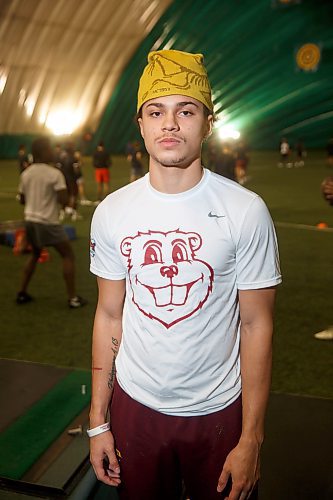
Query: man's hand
x,y
242,465
104,460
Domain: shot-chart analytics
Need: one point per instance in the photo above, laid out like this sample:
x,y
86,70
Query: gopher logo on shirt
x,y
168,281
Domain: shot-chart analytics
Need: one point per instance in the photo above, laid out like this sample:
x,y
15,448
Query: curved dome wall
x,y
267,80
78,62
60,61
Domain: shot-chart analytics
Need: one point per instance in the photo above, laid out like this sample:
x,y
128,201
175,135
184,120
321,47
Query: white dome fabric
x,y
60,60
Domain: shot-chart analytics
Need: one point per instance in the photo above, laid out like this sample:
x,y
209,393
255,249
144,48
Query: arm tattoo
x,y
112,373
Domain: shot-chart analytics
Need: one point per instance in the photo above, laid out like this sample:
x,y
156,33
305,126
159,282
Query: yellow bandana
x,y
171,72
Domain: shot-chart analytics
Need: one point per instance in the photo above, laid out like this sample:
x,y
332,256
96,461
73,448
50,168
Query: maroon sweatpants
x,y
158,453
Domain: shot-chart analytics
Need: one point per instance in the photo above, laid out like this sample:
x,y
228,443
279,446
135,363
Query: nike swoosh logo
x,y
214,215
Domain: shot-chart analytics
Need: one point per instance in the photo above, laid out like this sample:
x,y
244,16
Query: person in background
x,y
42,189
285,151
242,161
78,164
24,159
327,191
69,167
187,264
224,161
57,155
102,163
300,153
134,156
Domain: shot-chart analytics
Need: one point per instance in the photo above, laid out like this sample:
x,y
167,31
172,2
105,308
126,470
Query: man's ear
x,y
141,127
210,123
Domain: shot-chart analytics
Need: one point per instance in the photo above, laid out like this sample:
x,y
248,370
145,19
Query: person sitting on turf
x,y
42,188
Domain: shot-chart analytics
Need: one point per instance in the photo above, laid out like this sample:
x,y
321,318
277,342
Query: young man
x,y
42,189
187,264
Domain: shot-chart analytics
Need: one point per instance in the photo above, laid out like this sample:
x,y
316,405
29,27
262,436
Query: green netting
x,y
9,144
250,52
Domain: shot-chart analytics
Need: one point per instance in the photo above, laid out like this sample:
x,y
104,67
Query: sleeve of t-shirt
x,y
60,182
104,257
257,256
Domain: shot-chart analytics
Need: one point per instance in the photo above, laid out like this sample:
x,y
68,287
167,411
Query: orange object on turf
x,y
44,256
322,225
20,243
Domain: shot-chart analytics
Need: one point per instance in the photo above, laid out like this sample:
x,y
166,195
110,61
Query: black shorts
x,y
44,235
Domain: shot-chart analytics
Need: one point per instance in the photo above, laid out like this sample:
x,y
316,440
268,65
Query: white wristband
x,y
98,430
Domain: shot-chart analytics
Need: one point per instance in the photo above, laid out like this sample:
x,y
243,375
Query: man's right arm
x,y
106,342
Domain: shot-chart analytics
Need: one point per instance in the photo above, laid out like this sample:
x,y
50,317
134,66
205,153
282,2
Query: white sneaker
x,y
325,334
69,210
75,216
86,202
76,302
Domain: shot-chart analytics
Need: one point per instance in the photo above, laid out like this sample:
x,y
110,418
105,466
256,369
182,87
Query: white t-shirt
x,y
39,183
184,257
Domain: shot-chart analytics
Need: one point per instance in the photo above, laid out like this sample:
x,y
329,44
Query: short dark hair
x,y
41,150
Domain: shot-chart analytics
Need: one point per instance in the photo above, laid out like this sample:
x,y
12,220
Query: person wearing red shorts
x,y
187,265
102,163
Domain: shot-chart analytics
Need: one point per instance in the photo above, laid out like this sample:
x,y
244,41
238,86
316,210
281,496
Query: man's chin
x,y
177,162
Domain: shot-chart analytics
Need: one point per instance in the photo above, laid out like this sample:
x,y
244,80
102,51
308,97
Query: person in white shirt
x,y
42,189
284,153
186,264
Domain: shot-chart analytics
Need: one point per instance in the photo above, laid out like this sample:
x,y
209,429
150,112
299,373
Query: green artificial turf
x,y
47,331
24,441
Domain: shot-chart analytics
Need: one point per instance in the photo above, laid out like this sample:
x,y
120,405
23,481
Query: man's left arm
x,y
62,197
243,462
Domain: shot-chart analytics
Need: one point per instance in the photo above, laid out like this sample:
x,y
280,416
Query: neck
x,y
174,180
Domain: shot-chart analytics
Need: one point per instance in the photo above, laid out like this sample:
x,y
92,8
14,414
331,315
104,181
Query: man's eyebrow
x,y
186,103
156,104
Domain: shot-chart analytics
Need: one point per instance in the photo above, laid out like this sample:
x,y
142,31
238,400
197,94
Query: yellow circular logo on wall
x,y
308,56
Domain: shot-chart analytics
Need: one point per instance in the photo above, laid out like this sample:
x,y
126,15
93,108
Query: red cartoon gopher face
x,y
169,283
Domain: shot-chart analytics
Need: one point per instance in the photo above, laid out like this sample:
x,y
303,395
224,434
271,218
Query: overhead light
x,y
29,105
3,78
42,116
63,121
228,132
22,97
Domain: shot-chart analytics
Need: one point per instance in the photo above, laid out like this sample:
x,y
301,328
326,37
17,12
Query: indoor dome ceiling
x,y
77,63
60,60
